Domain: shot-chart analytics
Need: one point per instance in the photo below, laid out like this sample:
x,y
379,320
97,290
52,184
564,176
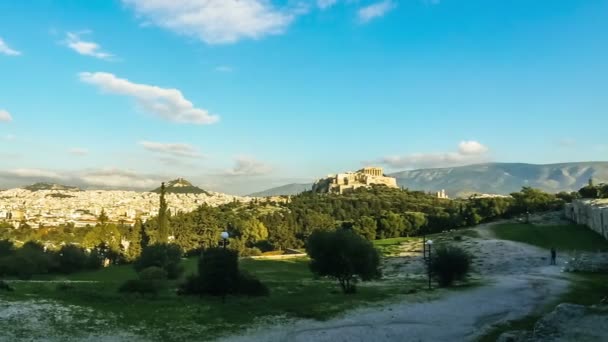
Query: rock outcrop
x,y
592,213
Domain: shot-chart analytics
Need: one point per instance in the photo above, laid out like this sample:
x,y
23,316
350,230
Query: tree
x,y
6,248
344,256
163,217
166,256
102,218
218,269
252,231
449,264
71,259
366,227
391,225
134,238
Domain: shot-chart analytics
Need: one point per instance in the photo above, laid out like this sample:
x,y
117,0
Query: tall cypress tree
x,y
163,217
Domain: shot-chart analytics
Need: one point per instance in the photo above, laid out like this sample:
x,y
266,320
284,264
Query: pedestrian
x,y
553,256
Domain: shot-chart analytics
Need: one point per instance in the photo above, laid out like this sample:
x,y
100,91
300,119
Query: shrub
x,y
5,286
6,248
151,281
249,285
343,255
449,264
218,269
166,256
71,259
219,275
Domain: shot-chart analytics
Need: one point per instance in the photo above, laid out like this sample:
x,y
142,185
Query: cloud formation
x,y
323,4
116,178
216,21
6,50
33,174
375,10
86,48
5,116
165,103
78,151
469,152
173,149
248,166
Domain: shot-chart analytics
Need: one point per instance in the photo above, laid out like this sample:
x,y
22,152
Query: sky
x,y
242,95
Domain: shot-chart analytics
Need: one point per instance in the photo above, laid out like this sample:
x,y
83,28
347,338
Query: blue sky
x,y
242,95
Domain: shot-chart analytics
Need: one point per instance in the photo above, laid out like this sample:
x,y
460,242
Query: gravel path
x,y
521,282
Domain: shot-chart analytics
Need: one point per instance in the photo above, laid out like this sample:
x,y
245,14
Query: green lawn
x,y
564,237
168,317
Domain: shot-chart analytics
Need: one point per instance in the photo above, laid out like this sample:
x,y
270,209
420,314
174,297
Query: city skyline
x,y
240,96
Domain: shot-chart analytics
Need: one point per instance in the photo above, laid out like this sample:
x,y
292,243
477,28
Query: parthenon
x,y
365,177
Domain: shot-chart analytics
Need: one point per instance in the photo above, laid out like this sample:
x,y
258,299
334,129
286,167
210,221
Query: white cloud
x,y
34,174
216,21
6,50
248,166
87,48
469,152
375,10
9,137
5,116
323,4
471,147
116,178
78,151
174,149
166,103
224,68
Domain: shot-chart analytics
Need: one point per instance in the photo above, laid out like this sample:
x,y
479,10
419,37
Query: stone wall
x,y
591,213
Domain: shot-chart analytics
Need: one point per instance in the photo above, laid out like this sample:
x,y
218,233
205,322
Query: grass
x,y
563,237
168,317
391,247
585,289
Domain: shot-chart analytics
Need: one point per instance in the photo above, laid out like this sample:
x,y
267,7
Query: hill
x,y
490,178
181,186
284,190
504,178
50,186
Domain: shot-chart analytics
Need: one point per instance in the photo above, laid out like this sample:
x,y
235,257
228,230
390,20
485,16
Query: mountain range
x,y
489,178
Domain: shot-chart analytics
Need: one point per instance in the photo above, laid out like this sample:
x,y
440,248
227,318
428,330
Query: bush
x,y
151,281
5,286
166,256
449,264
343,255
249,285
219,275
71,259
247,252
6,248
218,269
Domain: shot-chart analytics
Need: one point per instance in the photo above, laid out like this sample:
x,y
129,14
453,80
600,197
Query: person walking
x,y
553,256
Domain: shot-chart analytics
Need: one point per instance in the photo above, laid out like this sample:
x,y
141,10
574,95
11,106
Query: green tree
x,y
135,239
71,259
166,256
163,217
449,264
252,230
344,256
102,218
391,225
366,226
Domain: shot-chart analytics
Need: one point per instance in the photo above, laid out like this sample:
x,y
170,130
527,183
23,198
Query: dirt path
x,y
520,283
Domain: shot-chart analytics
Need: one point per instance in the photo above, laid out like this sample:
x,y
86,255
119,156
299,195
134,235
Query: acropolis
x,y
341,182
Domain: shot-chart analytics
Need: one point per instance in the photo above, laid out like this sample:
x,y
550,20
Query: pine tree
x,y
103,218
135,241
163,217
